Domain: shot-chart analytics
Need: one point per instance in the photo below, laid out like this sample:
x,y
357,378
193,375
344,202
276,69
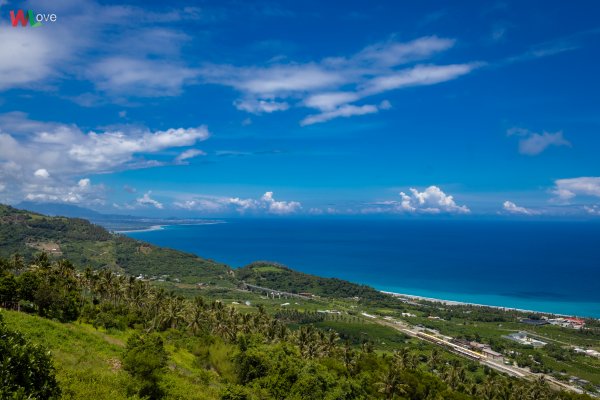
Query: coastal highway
x,y
472,355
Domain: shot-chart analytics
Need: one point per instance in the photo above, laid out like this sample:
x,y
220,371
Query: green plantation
x,y
114,336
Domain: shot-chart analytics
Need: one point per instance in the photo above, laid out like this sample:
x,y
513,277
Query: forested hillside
x,y
134,340
278,277
85,244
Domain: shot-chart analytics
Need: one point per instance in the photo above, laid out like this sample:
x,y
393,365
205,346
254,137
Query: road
x,y
472,355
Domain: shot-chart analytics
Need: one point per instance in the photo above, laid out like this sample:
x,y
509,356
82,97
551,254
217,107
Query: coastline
x,y
231,246
148,229
464,303
163,226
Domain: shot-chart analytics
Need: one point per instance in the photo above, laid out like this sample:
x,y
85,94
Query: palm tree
x,y
173,312
434,360
539,390
196,317
390,384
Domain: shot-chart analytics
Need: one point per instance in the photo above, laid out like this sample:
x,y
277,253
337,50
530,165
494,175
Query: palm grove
x,y
269,358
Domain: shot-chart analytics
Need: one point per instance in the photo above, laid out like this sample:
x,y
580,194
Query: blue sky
x,y
303,108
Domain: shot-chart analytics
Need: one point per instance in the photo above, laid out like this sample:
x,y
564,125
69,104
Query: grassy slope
x,y
86,244
88,366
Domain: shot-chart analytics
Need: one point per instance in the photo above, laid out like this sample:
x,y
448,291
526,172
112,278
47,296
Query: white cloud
x,y
592,210
330,100
420,75
29,56
260,106
188,154
61,192
145,61
29,150
243,205
347,110
277,80
279,207
430,201
333,85
202,204
265,204
42,173
146,200
393,53
65,149
512,208
567,189
532,143
140,77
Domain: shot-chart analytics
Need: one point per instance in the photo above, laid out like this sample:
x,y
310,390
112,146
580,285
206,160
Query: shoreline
x,y
464,303
148,229
163,226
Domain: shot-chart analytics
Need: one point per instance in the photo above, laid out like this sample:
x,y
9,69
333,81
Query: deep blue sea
x,y
534,265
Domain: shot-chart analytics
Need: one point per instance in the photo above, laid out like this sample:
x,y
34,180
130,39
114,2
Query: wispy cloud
x,y
334,85
145,62
532,143
187,155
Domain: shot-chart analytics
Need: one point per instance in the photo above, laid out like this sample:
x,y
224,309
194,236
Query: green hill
x,y
278,277
88,361
85,244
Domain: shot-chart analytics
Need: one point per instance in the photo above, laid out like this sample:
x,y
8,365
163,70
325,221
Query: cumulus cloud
x,y
430,201
42,173
52,155
265,204
146,200
61,192
511,208
567,189
333,85
532,143
65,148
279,207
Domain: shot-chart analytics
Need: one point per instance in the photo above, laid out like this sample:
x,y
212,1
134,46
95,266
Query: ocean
x,y
550,266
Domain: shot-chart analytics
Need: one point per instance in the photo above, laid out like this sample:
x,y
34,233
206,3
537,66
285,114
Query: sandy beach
x,y
149,229
462,303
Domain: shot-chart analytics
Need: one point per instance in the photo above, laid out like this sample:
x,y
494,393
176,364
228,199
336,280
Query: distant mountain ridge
x,y
59,210
112,222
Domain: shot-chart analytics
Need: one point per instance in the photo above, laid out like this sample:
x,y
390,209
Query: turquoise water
x,y
533,265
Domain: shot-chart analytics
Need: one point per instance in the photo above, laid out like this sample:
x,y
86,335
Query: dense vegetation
x,y
247,355
26,369
88,245
278,277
